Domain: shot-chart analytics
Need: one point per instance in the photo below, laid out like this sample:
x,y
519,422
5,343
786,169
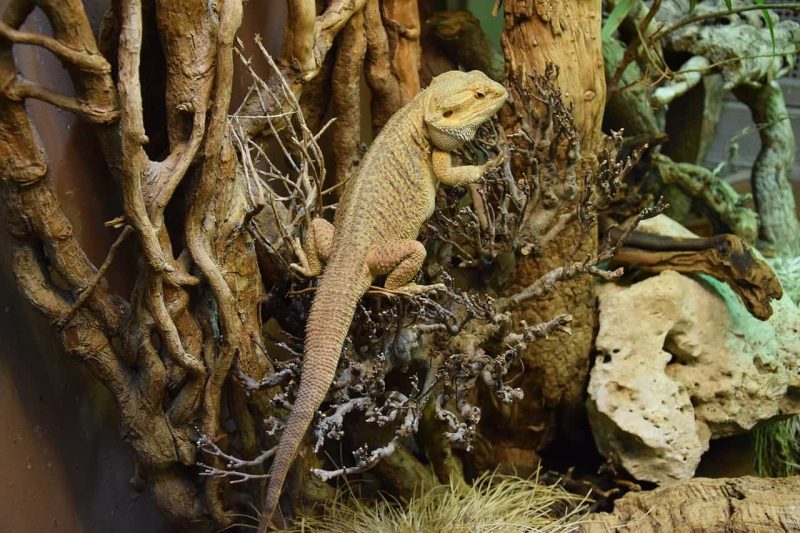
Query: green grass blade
x,y
770,24
729,5
616,17
692,5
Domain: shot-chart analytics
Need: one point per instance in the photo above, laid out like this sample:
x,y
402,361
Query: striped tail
x,y
328,323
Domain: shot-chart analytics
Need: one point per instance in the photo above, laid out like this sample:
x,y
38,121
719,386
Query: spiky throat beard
x,y
446,138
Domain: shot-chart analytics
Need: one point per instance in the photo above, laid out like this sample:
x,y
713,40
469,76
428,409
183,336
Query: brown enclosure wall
x,y
63,466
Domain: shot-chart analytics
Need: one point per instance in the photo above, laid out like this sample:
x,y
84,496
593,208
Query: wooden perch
x,y
382,79
724,257
705,505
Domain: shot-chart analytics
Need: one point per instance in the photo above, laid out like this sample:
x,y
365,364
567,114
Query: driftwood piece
x,y
772,170
750,56
627,109
724,257
536,36
718,195
706,505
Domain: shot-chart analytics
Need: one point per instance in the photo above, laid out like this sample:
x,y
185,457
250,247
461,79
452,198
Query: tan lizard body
x,y
376,226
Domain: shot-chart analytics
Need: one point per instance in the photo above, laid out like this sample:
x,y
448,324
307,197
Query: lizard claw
x,y
496,162
412,289
300,269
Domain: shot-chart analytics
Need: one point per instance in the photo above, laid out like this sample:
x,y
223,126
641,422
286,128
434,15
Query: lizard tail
x,y
326,330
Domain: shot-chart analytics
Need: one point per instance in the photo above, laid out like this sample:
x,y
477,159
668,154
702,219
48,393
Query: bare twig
x,y
87,291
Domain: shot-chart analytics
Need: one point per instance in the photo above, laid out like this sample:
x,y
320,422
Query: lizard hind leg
x,y
400,261
316,248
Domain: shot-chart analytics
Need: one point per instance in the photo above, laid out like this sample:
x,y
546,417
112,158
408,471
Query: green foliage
x,y
494,503
767,17
615,18
777,448
777,443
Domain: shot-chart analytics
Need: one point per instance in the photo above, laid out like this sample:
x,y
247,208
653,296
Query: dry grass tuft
x,y
494,503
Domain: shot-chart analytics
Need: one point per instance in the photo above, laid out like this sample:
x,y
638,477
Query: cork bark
x,y
705,506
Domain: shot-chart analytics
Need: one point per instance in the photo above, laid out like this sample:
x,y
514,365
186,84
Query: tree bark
x,y
565,34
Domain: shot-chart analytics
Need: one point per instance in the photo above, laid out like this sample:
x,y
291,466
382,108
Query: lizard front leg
x,y
455,176
401,260
315,251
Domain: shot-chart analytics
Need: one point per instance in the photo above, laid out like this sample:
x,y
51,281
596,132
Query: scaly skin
x,y
378,220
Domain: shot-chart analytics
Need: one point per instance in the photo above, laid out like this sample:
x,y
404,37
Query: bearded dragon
x,y
375,229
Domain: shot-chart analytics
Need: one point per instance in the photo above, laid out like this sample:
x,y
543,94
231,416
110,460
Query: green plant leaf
x,y
770,24
616,17
729,4
692,5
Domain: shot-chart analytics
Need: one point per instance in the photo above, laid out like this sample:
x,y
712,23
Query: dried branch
x,y
86,292
21,89
365,460
88,59
135,162
233,465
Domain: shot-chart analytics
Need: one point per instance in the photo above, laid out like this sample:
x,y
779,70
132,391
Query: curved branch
x,y
21,89
89,61
381,78
135,163
196,238
660,34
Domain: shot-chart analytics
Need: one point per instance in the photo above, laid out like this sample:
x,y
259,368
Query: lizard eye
x,y
480,95
448,113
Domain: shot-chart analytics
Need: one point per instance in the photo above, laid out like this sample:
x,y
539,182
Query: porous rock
x,y
680,361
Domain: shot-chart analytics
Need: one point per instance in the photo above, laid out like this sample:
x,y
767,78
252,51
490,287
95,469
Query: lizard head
x,y
459,102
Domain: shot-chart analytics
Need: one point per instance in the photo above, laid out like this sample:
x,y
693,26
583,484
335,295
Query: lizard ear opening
x,y
448,113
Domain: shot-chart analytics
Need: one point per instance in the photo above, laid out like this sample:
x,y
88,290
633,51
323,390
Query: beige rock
x,y
681,362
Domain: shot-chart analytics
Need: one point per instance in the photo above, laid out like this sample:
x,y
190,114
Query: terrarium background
x,y
64,466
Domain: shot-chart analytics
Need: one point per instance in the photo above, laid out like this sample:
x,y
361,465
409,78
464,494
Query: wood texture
x,y
746,504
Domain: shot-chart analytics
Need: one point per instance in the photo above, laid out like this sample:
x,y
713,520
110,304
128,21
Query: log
x,y
706,505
